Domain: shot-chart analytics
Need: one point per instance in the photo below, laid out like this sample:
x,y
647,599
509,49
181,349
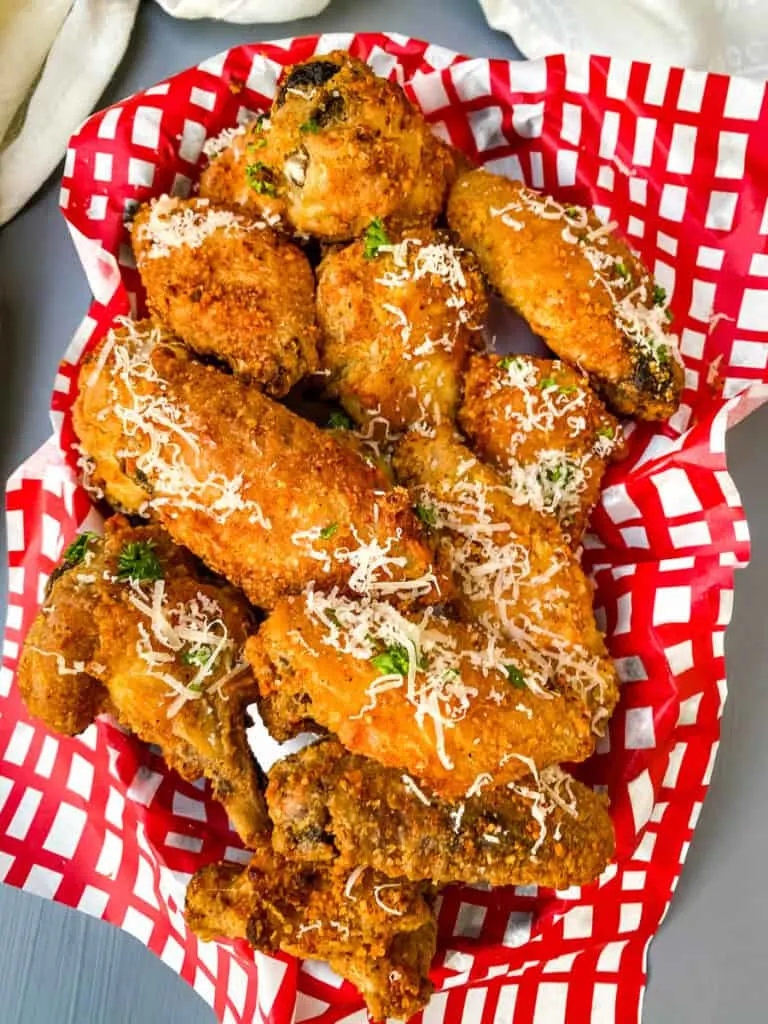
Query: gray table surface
x,y
708,961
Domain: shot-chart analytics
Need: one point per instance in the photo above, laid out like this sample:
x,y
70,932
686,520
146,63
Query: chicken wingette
x,y
578,285
261,495
131,626
378,933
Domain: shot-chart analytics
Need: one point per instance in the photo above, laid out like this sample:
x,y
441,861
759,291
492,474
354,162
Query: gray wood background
x,y
708,963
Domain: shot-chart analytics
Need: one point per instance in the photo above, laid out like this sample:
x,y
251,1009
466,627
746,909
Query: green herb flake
x,y
393,661
669,315
195,687
547,382
567,389
623,270
659,295
328,531
311,127
257,177
375,236
198,656
260,122
515,677
340,421
138,563
572,211
77,550
606,432
509,361
426,514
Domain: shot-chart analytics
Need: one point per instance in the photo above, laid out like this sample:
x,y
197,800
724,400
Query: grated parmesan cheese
x,y
173,223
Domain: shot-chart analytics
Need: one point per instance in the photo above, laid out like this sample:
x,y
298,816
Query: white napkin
x,y
730,36
56,57
244,11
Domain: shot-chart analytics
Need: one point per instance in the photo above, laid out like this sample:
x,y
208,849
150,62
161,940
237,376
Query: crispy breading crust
x,y
517,407
328,805
242,293
397,352
502,722
518,573
207,735
341,147
307,911
282,469
548,278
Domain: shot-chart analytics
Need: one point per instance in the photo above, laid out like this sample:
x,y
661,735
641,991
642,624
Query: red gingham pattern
x,y
99,823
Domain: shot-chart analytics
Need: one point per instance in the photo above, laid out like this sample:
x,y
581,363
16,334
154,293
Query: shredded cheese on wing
x,y
173,223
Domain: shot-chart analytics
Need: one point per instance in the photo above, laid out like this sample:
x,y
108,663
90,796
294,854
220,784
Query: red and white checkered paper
x,y
679,159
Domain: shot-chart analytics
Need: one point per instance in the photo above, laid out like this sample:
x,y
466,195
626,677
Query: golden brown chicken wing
x,y
229,287
541,424
340,148
453,704
514,569
578,285
398,322
132,627
379,934
260,494
328,805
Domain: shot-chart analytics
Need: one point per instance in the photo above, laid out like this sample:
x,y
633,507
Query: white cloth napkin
x,y
730,36
244,11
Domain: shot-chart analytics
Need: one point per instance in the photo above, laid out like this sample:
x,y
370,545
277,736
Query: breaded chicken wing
x,y
578,285
132,627
398,322
340,148
379,934
541,424
328,805
451,703
258,493
229,287
513,568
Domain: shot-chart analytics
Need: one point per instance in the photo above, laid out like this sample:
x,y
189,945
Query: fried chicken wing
x,y
340,148
469,707
541,424
578,285
261,495
514,569
398,322
328,805
229,287
379,934
133,627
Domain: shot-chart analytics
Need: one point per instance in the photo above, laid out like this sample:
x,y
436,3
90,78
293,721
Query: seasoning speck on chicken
x,y
578,285
229,287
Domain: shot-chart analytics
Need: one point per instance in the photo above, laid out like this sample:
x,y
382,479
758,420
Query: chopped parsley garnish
x,y
605,432
260,122
76,551
426,514
138,563
515,676
659,295
509,361
669,315
394,661
572,211
311,127
567,389
257,175
547,382
328,531
259,144
375,236
623,270
198,656
340,421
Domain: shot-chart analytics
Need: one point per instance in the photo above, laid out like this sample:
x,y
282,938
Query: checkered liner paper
x,y
679,160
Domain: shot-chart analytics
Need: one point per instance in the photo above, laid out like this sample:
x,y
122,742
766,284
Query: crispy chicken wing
x,y
260,494
132,626
229,287
328,805
541,424
578,285
340,148
513,567
397,325
469,707
379,934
